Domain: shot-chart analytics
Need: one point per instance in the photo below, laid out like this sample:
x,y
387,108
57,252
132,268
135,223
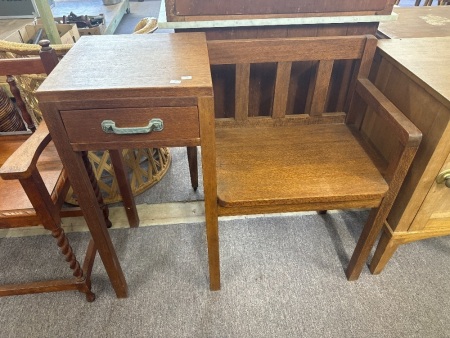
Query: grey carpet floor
x,y
175,186
281,277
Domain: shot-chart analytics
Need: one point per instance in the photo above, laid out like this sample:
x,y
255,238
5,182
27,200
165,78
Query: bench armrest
x,y
409,134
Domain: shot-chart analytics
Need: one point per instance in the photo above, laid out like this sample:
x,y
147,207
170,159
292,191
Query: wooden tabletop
x,y
425,59
417,22
116,66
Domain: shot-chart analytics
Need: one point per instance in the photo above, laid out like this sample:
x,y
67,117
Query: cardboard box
x,y
88,31
68,32
92,31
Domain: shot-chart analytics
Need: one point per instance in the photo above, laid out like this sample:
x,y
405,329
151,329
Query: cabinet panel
x,y
435,211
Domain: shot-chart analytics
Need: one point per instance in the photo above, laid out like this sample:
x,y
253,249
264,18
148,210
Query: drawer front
x,y
180,126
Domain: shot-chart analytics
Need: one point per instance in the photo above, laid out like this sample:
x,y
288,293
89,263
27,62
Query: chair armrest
x,y
23,161
28,49
409,134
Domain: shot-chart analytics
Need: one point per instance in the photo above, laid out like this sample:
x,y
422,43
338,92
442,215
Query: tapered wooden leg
x,y
385,249
193,166
94,183
124,187
365,243
206,111
82,185
108,255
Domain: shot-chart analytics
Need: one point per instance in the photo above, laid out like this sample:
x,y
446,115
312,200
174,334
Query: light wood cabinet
x,y
414,75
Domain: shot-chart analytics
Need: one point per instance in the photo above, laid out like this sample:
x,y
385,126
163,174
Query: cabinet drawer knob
x,y
444,177
109,126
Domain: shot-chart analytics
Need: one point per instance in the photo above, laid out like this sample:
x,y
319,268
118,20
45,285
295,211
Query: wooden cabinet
x,y
413,74
187,8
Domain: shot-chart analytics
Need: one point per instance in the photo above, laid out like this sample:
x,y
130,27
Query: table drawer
x,y
180,126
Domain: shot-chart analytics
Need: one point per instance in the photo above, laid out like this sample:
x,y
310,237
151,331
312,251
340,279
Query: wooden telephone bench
x,y
165,98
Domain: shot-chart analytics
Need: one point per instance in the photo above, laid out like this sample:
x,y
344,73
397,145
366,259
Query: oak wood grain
x,y
130,76
289,49
312,167
175,120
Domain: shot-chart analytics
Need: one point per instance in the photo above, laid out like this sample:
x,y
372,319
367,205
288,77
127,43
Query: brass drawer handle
x,y
444,177
109,127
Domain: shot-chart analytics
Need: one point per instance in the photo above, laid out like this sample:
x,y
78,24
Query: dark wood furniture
x,y
201,10
33,185
311,159
411,73
141,78
417,22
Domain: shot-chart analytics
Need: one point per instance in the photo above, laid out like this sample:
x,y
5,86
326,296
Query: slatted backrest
x,y
319,52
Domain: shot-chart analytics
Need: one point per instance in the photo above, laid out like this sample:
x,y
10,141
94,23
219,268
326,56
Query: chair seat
x,y
286,165
12,196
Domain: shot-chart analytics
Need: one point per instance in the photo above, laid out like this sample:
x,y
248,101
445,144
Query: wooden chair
x,y
314,159
428,2
33,185
110,168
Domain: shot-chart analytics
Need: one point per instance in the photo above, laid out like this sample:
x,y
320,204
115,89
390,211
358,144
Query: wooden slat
x,y
242,91
281,89
291,49
343,87
288,120
21,66
321,86
367,57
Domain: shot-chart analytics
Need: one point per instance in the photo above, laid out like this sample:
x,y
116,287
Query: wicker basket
x,y
146,168
10,119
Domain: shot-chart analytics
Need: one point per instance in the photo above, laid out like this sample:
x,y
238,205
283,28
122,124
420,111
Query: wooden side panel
x,y
436,206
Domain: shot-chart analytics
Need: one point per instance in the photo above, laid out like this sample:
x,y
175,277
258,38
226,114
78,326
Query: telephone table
x,y
132,91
